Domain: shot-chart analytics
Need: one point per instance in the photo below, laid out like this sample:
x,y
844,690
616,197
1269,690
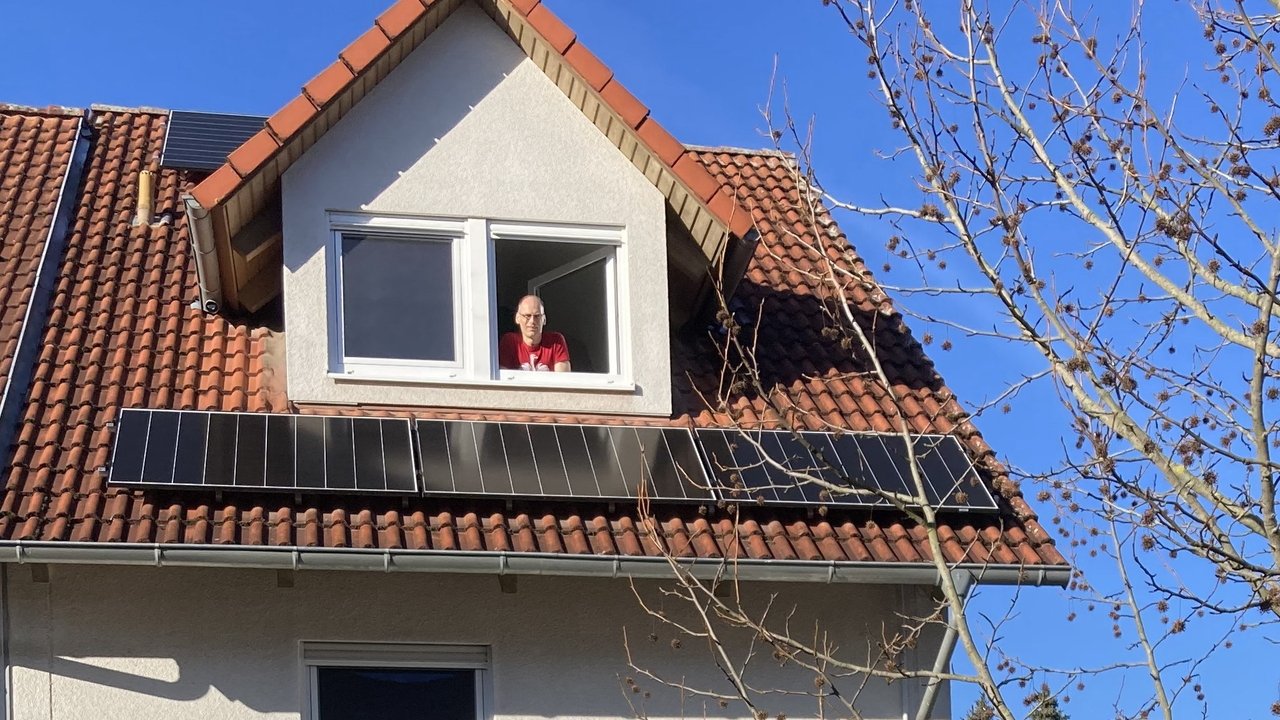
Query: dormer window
x,y
428,299
397,293
411,230
574,270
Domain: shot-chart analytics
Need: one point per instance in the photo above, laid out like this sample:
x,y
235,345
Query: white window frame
x,y
476,325
453,232
317,654
612,242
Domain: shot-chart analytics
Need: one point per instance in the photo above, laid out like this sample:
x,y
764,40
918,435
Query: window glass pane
x,y
397,298
573,288
360,693
582,309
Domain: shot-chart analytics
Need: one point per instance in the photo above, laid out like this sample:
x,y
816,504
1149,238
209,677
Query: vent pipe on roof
x,y
146,198
200,227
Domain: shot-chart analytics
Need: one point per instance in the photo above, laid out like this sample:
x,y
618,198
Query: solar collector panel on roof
x,y
202,140
774,467
560,461
244,451
247,451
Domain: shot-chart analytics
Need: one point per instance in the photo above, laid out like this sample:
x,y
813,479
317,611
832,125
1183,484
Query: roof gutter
x,y
208,276
509,563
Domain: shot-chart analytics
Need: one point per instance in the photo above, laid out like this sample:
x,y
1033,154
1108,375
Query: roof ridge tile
x,y
366,49
401,16
730,149
129,110
552,29
45,111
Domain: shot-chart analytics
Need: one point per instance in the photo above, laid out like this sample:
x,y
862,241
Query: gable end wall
x,y
469,126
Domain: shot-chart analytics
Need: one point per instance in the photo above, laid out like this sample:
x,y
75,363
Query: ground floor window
x,y
351,681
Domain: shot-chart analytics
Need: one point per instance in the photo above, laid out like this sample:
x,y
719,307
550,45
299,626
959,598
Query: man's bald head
x,y
531,315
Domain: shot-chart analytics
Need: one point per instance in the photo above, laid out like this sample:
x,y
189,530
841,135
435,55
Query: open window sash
x,y
581,297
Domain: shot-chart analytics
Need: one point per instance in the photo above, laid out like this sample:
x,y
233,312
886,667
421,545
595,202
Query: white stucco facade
x,y
130,642
468,127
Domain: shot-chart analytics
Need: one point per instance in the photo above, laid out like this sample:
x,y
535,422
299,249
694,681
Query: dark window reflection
x,y
397,298
396,693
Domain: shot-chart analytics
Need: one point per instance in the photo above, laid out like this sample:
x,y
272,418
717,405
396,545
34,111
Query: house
x,y
340,282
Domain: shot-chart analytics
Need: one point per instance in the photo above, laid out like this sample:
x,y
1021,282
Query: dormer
x,y
459,156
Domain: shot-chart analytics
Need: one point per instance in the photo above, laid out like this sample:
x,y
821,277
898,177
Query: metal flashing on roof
x,y
203,140
26,349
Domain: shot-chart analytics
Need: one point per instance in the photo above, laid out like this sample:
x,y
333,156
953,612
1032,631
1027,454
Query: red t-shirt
x,y
513,354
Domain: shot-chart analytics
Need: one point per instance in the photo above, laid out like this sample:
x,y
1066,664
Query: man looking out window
x,y
531,348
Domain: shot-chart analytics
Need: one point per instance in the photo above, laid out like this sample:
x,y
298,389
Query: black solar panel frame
x,y
570,471
885,464
203,140
221,452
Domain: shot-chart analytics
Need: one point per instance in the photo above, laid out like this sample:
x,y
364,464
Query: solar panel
x,y
247,451
560,461
202,140
774,467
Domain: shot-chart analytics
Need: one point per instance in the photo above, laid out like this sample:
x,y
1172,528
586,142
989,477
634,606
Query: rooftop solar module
x,y
244,451
774,467
306,453
560,461
202,141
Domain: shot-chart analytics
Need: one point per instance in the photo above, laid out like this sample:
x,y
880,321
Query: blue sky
x,y
704,68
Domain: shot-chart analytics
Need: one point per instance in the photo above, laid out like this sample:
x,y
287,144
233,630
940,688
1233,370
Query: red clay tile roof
x,y
815,383
122,332
35,156
358,58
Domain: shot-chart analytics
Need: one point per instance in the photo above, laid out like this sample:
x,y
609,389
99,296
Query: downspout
x,y
200,227
905,688
6,707
964,583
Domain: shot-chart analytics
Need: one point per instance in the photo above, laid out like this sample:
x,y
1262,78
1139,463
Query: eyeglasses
x,y
530,316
